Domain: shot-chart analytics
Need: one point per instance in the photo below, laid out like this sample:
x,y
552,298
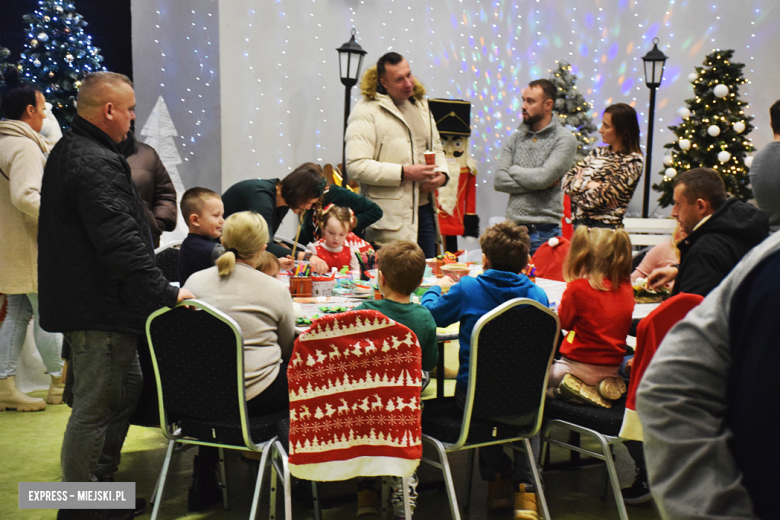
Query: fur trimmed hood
x,y
370,83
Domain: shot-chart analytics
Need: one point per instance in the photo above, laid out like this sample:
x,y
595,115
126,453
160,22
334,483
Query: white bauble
x,y
553,242
668,160
721,91
714,130
724,156
684,113
37,62
670,172
739,127
749,161
693,77
685,144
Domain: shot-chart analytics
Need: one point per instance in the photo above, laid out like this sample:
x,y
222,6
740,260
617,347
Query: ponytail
x,y
244,234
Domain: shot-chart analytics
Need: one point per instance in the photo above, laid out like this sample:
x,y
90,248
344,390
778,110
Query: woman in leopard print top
x,y
601,185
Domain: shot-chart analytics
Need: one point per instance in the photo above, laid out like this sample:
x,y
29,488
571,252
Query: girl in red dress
x,y
596,311
338,244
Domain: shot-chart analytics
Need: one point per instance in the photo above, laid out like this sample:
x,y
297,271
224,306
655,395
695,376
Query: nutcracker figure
x,y
456,202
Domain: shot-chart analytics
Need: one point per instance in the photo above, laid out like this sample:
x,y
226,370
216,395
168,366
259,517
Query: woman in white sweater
x,y
262,307
23,153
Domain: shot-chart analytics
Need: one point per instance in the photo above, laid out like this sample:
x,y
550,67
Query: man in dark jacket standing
x,y
97,275
720,230
154,185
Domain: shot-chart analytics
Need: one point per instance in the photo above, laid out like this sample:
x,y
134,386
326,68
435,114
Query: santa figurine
x,y
456,201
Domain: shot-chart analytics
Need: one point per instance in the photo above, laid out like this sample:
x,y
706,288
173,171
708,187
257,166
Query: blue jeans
x,y
106,388
426,230
21,309
539,237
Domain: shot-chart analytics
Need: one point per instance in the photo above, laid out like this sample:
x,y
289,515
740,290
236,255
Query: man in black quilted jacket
x,y
97,276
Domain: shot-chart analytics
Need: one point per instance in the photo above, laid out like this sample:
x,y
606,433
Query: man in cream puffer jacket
x,y
388,132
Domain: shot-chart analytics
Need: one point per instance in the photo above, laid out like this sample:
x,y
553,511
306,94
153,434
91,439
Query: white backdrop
x,y
281,101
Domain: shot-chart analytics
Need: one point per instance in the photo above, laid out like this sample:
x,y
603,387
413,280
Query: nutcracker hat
x,y
452,116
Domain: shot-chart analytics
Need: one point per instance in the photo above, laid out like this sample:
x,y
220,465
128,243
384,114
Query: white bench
x,y
645,232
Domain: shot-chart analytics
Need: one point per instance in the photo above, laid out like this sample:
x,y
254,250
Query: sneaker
x,y
572,388
525,503
612,388
499,494
639,492
397,495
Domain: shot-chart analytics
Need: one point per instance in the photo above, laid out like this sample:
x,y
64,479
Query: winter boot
x,y
525,503
56,389
205,489
11,397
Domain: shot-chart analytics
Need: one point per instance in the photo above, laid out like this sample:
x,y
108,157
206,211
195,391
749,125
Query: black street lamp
x,y
350,58
654,73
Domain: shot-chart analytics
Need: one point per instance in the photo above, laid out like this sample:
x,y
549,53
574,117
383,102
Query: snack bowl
x,y
455,271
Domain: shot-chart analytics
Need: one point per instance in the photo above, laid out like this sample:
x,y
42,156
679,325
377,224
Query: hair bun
x,y
11,76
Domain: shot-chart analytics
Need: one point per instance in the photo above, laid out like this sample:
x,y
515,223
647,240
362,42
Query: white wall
x,y
282,101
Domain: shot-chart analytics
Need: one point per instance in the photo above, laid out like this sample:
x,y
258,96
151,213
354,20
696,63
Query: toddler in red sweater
x,y
596,309
338,244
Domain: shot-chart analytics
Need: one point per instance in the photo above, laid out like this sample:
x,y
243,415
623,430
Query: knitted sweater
x,y
262,307
766,182
530,166
597,321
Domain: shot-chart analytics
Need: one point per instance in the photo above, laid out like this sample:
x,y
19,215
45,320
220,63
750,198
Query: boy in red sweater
x,y
596,309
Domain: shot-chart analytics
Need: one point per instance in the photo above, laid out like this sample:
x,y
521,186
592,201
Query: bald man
x,y
97,276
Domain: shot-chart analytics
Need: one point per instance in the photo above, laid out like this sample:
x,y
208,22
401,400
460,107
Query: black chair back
x,y
199,365
168,262
511,351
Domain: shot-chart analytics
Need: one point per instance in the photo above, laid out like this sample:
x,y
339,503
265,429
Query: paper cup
x,y
430,158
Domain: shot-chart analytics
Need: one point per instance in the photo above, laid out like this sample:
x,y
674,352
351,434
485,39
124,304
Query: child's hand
x,y
287,263
318,265
445,283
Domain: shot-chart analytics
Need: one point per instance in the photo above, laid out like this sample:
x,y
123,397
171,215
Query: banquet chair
x,y
612,426
650,332
198,357
512,347
354,382
168,260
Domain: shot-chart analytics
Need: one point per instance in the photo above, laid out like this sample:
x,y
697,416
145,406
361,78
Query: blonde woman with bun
x,y
262,307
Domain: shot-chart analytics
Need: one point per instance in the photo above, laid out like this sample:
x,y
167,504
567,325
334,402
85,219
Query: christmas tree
x,y
714,129
58,55
4,53
572,110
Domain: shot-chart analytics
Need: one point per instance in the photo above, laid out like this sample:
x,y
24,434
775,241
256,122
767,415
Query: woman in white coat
x,y
23,153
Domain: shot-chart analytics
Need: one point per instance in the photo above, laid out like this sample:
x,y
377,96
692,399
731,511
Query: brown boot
x,y
11,397
56,389
612,388
525,504
499,494
572,388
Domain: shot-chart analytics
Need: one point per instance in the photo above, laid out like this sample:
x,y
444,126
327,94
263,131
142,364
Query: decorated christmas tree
x,y
714,129
4,53
58,55
572,110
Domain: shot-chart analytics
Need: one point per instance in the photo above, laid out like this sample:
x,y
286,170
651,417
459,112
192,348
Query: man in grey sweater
x,y
533,160
706,400
765,173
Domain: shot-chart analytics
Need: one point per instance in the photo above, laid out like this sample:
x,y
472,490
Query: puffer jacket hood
x,y
743,222
369,86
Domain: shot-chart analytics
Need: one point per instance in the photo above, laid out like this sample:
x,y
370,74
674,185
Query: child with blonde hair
x,y
596,309
262,307
338,244
269,264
